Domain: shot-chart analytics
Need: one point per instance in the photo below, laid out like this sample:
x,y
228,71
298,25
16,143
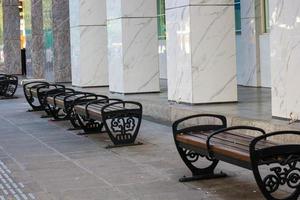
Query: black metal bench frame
x,y
70,98
8,86
286,173
120,121
37,102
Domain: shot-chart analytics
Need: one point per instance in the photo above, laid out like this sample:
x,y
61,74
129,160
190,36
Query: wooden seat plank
x,y
217,149
236,138
226,144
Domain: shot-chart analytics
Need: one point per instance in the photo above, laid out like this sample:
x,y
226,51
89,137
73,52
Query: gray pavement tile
x,y
94,194
39,159
124,175
57,186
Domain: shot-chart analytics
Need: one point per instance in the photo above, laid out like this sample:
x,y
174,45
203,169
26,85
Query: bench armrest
x,y
208,146
50,85
87,98
265,152
64,93
34,83
79,94
123,104
8,77
199,127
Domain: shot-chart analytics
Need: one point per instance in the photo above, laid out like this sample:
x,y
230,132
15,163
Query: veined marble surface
x,y
285,50
88,43
87,12
11,38
179,3
89,56
130,8
61,39
37,42
265,66
201,53
248,71
133,46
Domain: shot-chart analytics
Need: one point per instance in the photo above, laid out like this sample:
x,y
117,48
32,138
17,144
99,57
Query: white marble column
x,y
285,62
88,43
248,50
201,52
132,46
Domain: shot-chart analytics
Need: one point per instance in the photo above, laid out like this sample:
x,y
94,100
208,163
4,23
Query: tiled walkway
x,y
40,159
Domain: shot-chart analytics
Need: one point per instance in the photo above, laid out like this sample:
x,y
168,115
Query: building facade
x,y
204,49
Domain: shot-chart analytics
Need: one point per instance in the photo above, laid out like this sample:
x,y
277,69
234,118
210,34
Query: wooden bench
x,y
275,166
121,119
8,86
36,92
61,104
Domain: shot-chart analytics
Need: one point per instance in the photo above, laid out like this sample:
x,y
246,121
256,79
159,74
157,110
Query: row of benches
x,y
87,111
8,86
275,166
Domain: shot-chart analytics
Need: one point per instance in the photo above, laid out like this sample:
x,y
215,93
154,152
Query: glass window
x,y
238,25
161,19
267,22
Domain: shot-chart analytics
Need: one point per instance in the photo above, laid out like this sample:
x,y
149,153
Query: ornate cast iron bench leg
x,y
122,124
33,101
281,164
42,96
190,157
89,126
84,122
8,86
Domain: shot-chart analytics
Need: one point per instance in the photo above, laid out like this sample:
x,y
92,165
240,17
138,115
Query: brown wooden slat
x,y
235,143
94,114
218,149
227,144
100,106
238,138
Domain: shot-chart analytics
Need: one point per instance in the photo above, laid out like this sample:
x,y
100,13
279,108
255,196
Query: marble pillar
x,y
2,66
285,62
248,70
11,37
132,46
37,42
33,13
56,27
201,52
61,39
88,43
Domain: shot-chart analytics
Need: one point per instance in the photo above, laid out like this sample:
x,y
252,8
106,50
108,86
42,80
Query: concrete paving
x,y
40,159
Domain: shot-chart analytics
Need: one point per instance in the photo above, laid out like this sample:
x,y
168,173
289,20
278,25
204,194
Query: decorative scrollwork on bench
x,y
124,128
191,156
122,125
286,174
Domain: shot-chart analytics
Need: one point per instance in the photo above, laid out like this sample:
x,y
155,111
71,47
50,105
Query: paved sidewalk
x,y
40,159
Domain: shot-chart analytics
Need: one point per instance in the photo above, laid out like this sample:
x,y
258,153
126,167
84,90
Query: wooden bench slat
x,y
230,142
237,138
95,114
217,149
226,144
